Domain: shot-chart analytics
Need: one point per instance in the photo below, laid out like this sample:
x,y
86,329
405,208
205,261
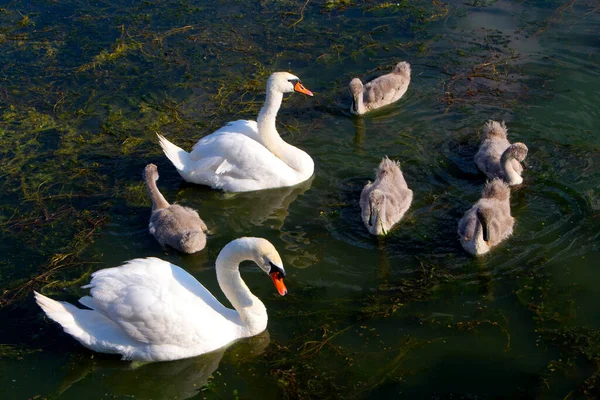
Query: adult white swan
x,y
247,155
151,310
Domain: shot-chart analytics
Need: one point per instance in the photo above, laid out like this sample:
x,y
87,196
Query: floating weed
x,y
337,5
136,195
12,351
119,50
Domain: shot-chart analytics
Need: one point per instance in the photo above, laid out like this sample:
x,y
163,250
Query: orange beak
x,y
298,87
278,281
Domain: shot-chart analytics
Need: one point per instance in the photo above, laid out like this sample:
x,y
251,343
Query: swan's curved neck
x,y
480,246
267,131
358,104
512,176
158,200
377,218
251,310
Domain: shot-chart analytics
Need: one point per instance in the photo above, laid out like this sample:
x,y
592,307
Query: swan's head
x,y
374,218
192,242
285,82
268,259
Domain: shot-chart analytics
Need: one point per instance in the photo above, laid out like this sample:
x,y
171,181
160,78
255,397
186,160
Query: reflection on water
x,y
181,379
238,212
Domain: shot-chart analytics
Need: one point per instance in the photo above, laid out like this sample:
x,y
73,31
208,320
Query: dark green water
x,y
84,87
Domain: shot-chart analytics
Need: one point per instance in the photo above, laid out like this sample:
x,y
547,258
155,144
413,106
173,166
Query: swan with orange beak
x,y
246,155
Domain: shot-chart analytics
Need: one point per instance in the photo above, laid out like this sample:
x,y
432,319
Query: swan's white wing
x,y
233,158
158,303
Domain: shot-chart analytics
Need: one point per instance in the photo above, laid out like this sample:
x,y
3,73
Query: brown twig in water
x,y
301,15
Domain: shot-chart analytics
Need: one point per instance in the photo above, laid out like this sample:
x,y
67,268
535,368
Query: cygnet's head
x,y
150,172
374,218
402,68
518,151
355,87
284,82
192,242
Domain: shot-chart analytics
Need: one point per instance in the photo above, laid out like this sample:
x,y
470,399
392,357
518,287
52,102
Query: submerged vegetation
x,y
85,87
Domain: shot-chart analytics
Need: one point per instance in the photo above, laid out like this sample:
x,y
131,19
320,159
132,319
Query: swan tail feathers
x,y
89,301
493,129
496,189
178,157
402,68
387,167
58,311
89,327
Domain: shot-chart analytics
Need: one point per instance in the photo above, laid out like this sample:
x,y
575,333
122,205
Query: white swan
x,y
151,310
246,155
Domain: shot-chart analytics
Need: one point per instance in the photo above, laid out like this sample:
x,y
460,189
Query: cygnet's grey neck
x,y
158,200
512,177
358,104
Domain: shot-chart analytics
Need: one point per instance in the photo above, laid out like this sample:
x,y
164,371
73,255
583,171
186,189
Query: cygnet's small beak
x,y
373,216
298,87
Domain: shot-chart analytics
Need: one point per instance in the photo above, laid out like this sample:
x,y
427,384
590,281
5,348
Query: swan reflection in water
x,y
180,379
239,211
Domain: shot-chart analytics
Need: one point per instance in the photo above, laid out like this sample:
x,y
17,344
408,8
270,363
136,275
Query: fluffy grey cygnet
x,y
384,202
381,91
171,224
488,222
497,158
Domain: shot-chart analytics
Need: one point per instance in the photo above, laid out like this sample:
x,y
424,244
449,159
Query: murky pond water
x,y
84,88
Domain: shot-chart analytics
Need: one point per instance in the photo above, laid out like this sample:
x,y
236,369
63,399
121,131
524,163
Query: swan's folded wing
x,y
243,127
384,89
224,156
156,302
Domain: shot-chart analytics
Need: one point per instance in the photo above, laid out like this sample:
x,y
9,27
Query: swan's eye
x,y
276,270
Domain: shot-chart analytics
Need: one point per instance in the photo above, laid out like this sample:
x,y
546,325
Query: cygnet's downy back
x,y
381,91
171,224
384,202
497,157
488,222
